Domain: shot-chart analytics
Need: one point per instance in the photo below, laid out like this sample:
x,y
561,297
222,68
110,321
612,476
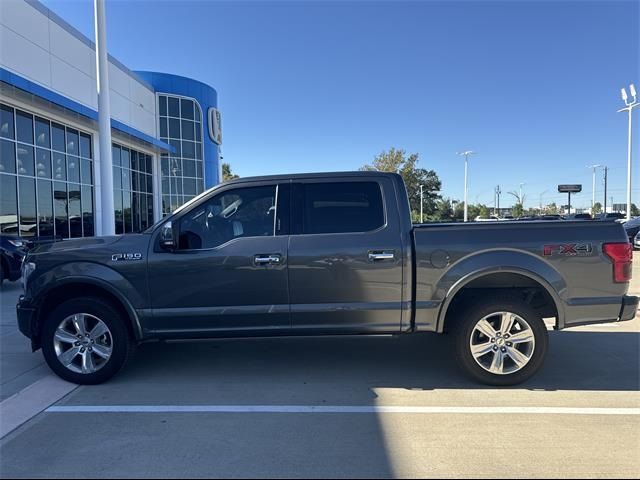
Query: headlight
x,y
27,269
16,243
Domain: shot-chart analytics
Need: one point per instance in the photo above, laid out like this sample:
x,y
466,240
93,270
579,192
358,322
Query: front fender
x,y
88,273
479,265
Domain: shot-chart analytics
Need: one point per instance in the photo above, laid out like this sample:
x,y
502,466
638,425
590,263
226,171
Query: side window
x,y
341,207
242,212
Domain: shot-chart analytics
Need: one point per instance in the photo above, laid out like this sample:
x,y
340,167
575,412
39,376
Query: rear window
x,y
341,207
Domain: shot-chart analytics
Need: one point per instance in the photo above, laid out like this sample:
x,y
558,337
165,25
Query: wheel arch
x,y
500,279
75,287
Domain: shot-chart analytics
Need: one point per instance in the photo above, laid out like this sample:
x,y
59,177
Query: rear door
x,y
345,256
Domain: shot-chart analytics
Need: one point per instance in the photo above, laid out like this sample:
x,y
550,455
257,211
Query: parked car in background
x,y
578,216
636,241
533,218
632,227
12,251
611,216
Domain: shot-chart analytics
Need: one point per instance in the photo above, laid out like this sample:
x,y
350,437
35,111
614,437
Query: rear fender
x,y
502,261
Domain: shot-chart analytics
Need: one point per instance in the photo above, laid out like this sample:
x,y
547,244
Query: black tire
x,y
465,323
122,343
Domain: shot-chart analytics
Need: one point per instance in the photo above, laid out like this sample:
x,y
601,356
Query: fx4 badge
x,y
569,249
120,257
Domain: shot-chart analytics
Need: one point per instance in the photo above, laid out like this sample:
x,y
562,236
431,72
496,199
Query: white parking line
x,y
336,409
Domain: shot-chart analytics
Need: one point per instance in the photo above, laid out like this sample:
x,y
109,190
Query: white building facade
x,y
164,150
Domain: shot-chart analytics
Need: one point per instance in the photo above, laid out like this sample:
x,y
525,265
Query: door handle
x,y
269,259
376,256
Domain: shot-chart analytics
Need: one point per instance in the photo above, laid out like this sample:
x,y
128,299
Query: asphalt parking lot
x,y
333,407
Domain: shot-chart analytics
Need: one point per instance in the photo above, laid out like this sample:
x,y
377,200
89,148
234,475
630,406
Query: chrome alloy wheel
x,y
502,343
83,343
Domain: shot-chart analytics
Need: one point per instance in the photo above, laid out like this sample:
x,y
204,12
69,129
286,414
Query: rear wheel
x,y
86,341
501,341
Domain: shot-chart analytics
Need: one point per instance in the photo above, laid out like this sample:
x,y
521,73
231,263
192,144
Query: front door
x,y
345,257
229,271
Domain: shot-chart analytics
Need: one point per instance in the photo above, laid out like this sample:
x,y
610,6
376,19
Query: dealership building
x,y
165,129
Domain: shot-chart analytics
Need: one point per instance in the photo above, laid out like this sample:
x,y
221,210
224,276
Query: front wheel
x,y
501,342
85,341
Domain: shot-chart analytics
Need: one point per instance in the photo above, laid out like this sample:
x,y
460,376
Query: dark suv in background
x,y
12,251
632,227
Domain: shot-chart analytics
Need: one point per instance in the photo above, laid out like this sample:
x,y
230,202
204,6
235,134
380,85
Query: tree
x,y
483,211
474,211
517,210
444,210
597,208
634,210
458,210
552,208
227,174
397,161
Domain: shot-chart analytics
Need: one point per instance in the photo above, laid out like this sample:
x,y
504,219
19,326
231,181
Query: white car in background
x,y
492,218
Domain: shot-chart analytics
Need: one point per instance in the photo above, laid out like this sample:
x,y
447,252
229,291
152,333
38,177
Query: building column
x,y
157,188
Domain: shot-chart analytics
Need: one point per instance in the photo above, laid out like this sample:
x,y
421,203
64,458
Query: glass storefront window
x,y
180,125
7,157
45,208
75,211
24,127
61,209
25,159
34,151
133,189
43,163
6,122
57,137
8,204
72,142
42,133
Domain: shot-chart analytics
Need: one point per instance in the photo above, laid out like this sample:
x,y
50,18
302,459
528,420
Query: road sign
x,y
569,188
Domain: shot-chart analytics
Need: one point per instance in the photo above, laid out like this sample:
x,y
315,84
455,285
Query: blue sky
x,y
533,87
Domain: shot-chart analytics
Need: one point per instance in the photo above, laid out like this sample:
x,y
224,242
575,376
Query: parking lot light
x,y
629,106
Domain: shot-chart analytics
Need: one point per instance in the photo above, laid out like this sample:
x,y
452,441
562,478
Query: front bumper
x,y
26,317
629,307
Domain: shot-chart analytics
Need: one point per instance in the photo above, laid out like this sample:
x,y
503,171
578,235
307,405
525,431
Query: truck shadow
x,y
347,369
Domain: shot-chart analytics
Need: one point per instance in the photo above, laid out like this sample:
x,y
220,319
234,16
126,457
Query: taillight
x,y
621,254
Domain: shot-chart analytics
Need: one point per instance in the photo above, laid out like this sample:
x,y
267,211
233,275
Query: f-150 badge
x,y
120,257
569,249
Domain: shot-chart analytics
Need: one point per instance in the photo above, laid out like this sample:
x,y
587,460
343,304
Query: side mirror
x,y
167,238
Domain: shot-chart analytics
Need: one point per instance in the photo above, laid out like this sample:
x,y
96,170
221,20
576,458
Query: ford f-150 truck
x,y
323,254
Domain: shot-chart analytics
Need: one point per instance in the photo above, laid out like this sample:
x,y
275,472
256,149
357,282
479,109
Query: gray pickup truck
x,y
323,254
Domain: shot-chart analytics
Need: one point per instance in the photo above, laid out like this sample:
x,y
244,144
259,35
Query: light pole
x,y
593,200
106,213
421,201
606,170
630,105
466,166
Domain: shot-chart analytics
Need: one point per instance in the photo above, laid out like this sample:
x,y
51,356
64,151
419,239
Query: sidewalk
x,y
19,367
